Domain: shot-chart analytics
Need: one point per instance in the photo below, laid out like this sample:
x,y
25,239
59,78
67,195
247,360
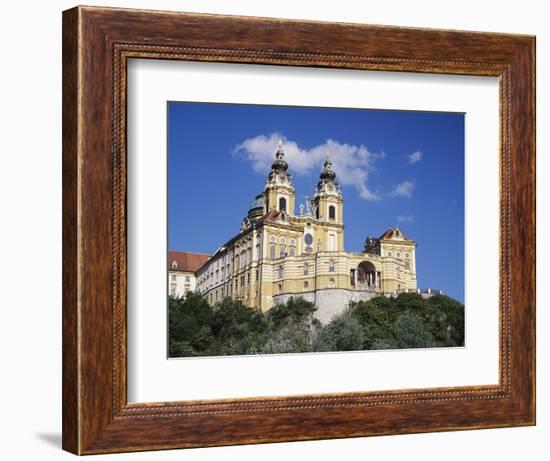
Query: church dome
x,y
279,164
256,209
327,183
328,173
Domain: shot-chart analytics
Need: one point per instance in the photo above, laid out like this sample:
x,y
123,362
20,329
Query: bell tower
x,y
279,189
328,196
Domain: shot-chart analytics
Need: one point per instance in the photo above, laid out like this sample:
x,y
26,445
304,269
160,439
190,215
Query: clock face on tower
x,y
308,239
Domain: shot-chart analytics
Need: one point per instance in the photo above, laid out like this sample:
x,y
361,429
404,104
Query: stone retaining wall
x,y
329,302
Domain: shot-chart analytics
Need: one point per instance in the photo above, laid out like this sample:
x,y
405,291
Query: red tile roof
x,y
186,261
271,215
389,234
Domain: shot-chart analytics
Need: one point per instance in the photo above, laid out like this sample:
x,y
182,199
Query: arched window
x,y
282,204
257,251
331,283
306,269
282,240
272,252
249,251
292,252
236,261
306,285
407,265
243,258
174,265
282,252
331,212
331,266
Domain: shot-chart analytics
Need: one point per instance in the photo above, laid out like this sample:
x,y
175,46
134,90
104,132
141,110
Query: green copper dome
x,y
256,209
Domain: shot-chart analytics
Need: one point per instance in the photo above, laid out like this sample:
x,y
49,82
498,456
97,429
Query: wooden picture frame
x,y
97,43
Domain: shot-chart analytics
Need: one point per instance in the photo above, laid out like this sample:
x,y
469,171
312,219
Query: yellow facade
x,y
282,252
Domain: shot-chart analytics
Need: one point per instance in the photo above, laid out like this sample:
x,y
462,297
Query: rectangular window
x,y
331,242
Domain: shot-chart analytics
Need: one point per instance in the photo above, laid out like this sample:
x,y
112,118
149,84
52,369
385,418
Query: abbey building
x,y
282,251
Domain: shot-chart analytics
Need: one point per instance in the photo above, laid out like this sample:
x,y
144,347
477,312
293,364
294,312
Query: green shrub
x,y
231,328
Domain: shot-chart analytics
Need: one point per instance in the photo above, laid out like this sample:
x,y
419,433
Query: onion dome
x,y
256,209
328,173
327,183
279,164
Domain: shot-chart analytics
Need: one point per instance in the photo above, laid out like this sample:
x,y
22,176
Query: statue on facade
x,y
370,244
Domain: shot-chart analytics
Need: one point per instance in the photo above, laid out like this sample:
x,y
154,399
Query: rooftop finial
x,y
328,161
280,154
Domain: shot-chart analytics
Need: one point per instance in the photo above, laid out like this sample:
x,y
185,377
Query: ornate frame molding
x,y
97,43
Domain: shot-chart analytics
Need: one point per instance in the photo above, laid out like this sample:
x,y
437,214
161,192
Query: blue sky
x,y
400,168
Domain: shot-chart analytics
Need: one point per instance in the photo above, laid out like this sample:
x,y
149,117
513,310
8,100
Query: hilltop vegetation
x,y
230,328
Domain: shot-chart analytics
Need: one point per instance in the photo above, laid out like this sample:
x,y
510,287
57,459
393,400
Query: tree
x,y
231,328
376,316
447,320
237,328
189,325
287,339
344,333
410,331
295,311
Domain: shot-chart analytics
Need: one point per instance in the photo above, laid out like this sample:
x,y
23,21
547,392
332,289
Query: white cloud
x,y
405,218
404,189
415,157
351,163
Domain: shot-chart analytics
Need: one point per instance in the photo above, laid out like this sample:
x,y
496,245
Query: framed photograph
x,y
281,230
